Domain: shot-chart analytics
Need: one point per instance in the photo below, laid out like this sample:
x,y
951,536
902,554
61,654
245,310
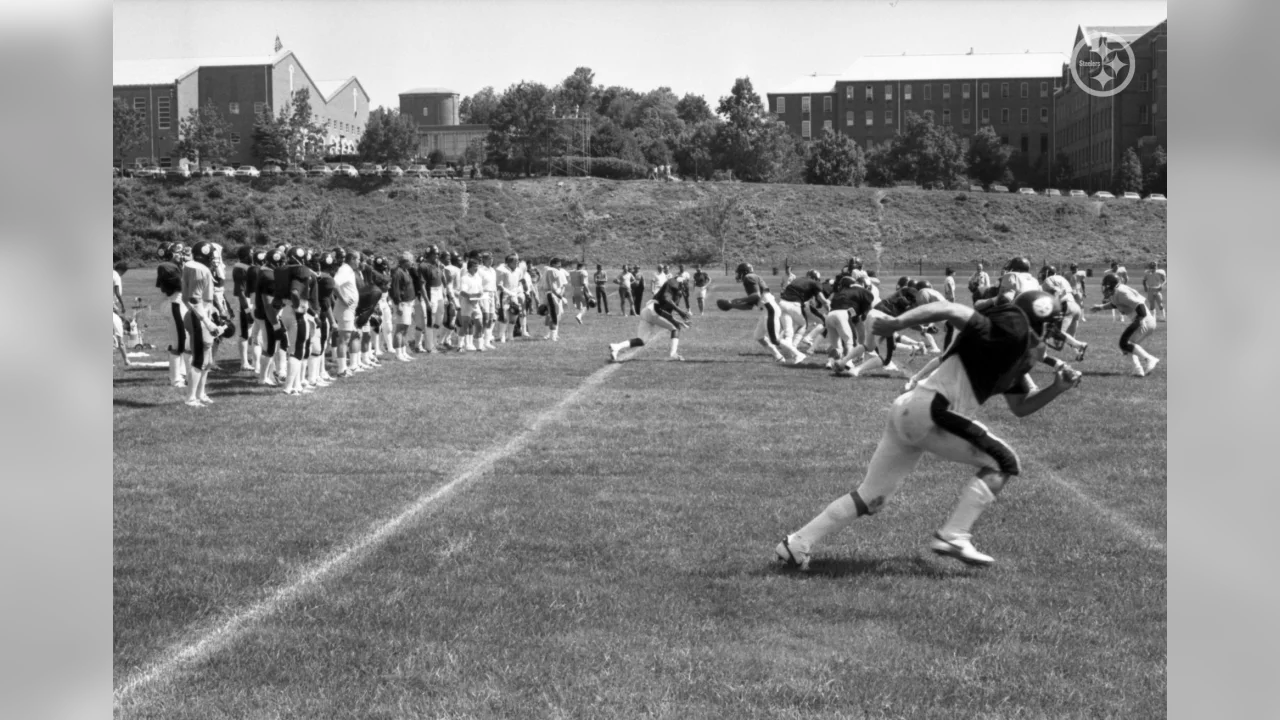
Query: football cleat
x,y
799,358
960,548
1080,352
1151,364
792,555
676,358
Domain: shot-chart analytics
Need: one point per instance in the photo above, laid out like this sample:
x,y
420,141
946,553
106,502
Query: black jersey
x,y
802,290
263,288
403,286
293,285
997,348
326,291
754,284
701,279
169,278
856,299
666,295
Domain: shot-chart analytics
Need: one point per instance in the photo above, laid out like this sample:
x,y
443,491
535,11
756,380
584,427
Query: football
x,y
724,304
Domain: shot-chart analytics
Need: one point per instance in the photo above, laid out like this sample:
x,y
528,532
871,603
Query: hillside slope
x,y
637,221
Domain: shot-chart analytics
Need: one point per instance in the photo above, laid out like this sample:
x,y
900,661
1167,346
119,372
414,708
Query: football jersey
x,y
578,279
554,280
802,290
754,284
1058,286
488,279
701,279
471,286
432,276
451,273
991,355
402,289
239,275
345,285
415,275
168,278
1126,299
326,290
857,300
293,285
262,291
1153,280
1018,283
666,295
197,283
509,280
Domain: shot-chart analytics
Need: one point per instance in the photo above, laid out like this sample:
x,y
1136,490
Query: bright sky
x,y
697,46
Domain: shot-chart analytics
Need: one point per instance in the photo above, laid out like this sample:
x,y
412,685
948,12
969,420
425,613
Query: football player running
x,y
1060,288
1118,296
661,314
768,330
701,282
994,349
795,296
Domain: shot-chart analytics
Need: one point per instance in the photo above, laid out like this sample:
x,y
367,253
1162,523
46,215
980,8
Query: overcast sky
x,y
696,46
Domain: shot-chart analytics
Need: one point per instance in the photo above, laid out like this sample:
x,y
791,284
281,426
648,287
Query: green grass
x,y
639,221
619,564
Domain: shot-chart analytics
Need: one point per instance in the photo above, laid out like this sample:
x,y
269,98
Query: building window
x,y
964,116
162,112
805,108
1143,83
234,108
986,90
906,92
871,118
140,104
870,94
235,138
888,92
946,91
1004,115
848,118
1025,90
946,116
848,92
804,128
166,162
826,124
1142,114
1044,114
888,117
1025,144
258,107
1004,90
826,103
986,116
964,91
1057,84
1024,116
1044,89
782,107
928,92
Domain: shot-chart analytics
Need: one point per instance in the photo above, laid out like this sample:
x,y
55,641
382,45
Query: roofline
x,y
343,86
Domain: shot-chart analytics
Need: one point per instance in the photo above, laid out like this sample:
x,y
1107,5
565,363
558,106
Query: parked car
x,y
147,171
1052,192
370,170
346,169
247,171
1103,195
1079,193
442,172
177,171
1156,197
319,170
418,171
271,169
998,189
295,170
1026,191
976,188
393,171
1131,196
218,171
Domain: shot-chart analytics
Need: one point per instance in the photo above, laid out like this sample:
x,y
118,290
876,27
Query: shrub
x,y
214,193
1001,225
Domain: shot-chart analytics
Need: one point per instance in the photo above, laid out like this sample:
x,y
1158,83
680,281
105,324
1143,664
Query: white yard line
x,y
1136,532
348,556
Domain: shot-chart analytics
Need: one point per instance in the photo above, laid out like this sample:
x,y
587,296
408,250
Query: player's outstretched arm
x,y
954,313
1024,405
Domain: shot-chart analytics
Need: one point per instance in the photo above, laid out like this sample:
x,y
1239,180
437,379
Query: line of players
x,y
297,304
842,309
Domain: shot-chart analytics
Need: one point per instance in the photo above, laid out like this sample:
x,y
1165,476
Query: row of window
x,y
871,142
1098,153
1024,116
805,100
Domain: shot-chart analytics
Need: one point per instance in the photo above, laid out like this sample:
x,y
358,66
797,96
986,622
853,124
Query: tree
x,y
270,138
835,159
988,156
693,149
693,109
478,109
521,126
475,152
1061,170
880,166
1157,179
129,129
577,93
928,154
321,229
1129,174
716,217
389,137
742,107
307,138
203,135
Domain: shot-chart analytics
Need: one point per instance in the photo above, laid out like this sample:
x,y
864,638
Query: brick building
x,y
240,87
1092,132
435,111
1011,92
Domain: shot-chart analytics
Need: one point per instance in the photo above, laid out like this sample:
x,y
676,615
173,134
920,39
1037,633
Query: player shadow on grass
x,y
901,565
136,405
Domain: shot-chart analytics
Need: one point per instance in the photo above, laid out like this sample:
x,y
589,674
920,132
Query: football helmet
x,y
1040,309
813,275
380,264
165,251
202,252
1110,282
297,255
328,260
1047,272
845,281
855,264
744,269
339,255
275,258
244,254
1018,264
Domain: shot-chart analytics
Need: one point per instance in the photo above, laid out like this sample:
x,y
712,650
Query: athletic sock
x,y
870,363
837,516
675,345
975,496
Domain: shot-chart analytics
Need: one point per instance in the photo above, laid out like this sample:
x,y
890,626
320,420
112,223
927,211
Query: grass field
x,y
586,540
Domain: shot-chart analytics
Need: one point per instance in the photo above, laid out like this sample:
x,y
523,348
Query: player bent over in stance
x,y
994,349
1118,296
659,314
1060,288
769,329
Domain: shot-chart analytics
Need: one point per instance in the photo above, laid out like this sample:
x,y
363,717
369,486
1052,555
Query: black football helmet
x,y
202,252
1041,310
744,269
1018,264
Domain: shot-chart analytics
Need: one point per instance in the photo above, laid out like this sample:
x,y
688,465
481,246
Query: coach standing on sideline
x,y
347,297
602,295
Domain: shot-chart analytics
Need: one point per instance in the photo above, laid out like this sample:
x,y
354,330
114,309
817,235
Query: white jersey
x,y
1059,287
489,279
451,274
509,280
660,279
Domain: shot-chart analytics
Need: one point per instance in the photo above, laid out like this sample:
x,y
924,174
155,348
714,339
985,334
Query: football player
x,y
1060,288
1123,274
578,285
294,283
470,317
1016,279
403,299
888,308
1153,281
272,366
601,279
554,282
701,283
850,304
624,281
346,287
433,280
661,314
197,296
637,290
239,285
994,349
511,295
169,281
489,300
1118,296
795,296
768,330
326,293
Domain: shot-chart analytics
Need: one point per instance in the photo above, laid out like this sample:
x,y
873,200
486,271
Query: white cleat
x,y
676,358
911,385
795,556
892,367
194,404
960,548
1151,364
613,355
799,358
